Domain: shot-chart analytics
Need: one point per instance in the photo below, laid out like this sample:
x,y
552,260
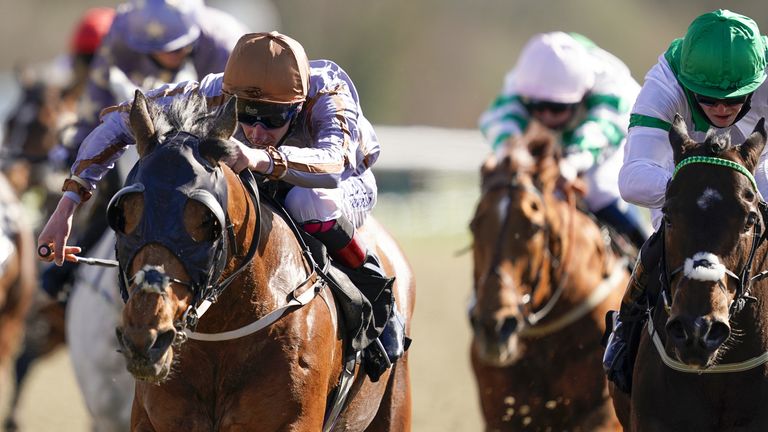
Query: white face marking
x,y
704,266
709,198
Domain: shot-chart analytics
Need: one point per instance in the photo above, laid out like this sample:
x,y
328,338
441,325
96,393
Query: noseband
x,y
743,279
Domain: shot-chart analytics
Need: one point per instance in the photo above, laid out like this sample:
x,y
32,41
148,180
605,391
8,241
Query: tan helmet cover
x,y
267,67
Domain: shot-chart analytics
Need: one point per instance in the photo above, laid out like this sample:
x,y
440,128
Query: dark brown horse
x,y
544,278
17,274
701,364
281,367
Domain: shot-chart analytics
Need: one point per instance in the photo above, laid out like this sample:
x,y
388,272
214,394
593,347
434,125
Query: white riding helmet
x,y
554,67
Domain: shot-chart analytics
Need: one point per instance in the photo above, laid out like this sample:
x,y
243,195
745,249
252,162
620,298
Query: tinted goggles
x,y
533,105
710,101
269,116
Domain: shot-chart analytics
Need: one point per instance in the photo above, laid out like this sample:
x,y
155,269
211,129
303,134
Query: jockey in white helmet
x,y
583,94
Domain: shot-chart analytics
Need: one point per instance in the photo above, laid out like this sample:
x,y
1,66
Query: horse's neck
x,y
277,268
575,255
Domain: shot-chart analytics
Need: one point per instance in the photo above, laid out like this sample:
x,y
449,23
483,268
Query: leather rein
x,y
533,317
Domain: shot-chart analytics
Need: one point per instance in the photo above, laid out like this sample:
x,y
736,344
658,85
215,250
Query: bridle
x,y
743,279
557,264
204,263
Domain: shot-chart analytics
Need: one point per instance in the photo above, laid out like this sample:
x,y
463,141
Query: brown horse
x,y
17,274
701,364
281,362
544,278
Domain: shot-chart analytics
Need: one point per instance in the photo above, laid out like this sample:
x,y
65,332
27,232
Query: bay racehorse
x,y
267,355
544,277
701,363
17,274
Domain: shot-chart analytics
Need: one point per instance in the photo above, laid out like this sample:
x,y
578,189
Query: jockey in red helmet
x,y
90,30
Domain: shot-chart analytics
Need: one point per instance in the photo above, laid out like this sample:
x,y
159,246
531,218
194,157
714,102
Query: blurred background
x,y
425,70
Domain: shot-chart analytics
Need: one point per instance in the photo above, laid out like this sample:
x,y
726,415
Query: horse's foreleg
x,y
394,412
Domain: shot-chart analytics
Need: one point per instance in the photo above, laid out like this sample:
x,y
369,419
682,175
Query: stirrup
x,y
375,360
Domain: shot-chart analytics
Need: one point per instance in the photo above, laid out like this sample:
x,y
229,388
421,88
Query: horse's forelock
x,y
185,114
717,142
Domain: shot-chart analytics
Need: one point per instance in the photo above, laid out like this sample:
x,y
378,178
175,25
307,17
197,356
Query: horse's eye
x,y
751,220
207,220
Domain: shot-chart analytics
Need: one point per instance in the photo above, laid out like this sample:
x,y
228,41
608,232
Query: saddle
x,y
365,305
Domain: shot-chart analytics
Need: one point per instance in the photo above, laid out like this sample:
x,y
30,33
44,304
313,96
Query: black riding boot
x,y
625,325
392,342
367,274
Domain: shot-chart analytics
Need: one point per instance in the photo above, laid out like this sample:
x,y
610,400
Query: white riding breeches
x,y
354,198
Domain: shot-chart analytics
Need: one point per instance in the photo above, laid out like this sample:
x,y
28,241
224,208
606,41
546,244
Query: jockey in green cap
x,y
714,78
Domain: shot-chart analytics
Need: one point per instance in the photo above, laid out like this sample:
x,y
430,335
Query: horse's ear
x,y
679,139
226,122
141,124
752,148
489,165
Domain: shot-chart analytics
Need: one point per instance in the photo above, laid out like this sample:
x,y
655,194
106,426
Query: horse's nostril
x,y
676,330
718,333
161,345
508,327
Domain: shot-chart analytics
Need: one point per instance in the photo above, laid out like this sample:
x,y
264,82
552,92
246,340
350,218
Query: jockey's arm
x,y
648,161
505,118
644,175
327,159
97,154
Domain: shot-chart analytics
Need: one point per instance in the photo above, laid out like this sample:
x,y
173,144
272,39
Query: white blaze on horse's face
x,y
151,286
709,198
704,266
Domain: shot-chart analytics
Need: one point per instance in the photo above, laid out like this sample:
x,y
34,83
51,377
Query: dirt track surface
x,y
443,386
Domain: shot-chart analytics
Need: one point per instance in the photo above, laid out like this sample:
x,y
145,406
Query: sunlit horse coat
x,y
648,162
331,144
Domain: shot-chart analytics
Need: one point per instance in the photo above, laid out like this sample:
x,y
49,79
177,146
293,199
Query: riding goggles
x,y
710,101
268,115
533,105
